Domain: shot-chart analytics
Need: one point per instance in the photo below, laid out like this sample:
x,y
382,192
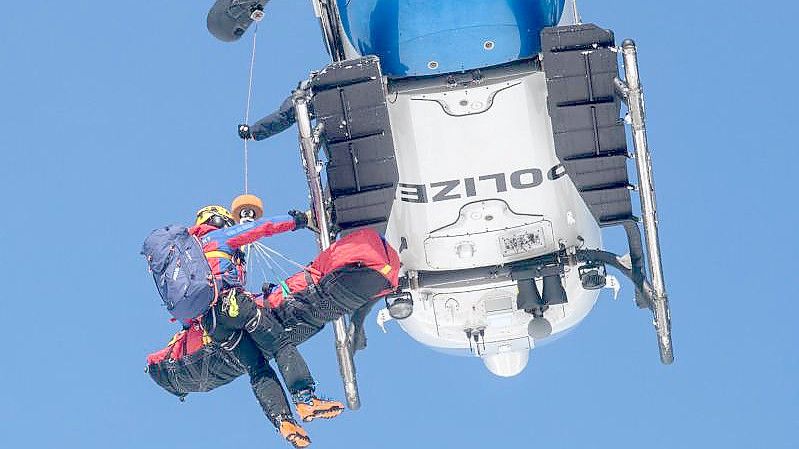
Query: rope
x,y
247,255
264,260
247,110
259,247
275,278
291,261
259,252
282,281
251,263
264,248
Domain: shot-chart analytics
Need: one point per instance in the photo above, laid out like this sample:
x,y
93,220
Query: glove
x,y
300,219
244,131
311,222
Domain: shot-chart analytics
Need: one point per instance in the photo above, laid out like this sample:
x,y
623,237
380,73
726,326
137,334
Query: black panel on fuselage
x,y
590,139
349,100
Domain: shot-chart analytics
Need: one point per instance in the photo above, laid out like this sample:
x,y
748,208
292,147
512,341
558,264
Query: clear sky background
x,y
118,117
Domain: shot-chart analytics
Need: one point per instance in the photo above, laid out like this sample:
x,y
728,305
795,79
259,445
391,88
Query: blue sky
x,y
117,118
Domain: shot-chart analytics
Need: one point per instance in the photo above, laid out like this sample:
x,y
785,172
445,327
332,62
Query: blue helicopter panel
x,y
424,37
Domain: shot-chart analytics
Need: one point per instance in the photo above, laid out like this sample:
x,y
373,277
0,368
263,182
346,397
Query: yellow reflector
x,y
233,308
386,270
219,254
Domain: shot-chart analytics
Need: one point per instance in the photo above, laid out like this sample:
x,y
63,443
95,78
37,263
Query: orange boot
x,y
293,432
310,407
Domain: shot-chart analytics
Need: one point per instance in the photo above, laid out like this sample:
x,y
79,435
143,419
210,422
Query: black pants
x,y
263,379
345,291
267,336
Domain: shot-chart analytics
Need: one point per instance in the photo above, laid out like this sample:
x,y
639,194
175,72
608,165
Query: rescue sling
x,y
192,363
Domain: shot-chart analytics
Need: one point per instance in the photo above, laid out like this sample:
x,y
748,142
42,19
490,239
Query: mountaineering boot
x,y
292,432
310,407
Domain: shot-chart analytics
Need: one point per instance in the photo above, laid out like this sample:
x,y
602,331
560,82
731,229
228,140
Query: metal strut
x,y
309,141
633,95
329,17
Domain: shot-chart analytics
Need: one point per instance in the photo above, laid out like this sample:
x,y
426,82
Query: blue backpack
x,y
181,272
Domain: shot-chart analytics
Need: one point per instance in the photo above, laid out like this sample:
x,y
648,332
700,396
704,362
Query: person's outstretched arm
x,y
246,233
272,124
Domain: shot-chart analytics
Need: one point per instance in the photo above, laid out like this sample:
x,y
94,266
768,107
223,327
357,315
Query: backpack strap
x,y
206,337
213,319
185,344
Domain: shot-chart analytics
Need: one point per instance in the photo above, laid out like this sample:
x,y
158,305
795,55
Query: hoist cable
x,y
247,110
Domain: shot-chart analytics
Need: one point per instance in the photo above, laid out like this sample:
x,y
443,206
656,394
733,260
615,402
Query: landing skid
x,y
633,96
309,144
328,14
585,93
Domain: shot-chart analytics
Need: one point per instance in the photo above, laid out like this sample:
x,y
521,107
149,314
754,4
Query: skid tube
x,y
309,146
329,18
632,94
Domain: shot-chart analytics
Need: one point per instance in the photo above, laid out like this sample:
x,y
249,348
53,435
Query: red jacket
x,y
365,247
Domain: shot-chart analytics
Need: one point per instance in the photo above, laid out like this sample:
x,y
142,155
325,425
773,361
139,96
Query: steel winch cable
x,y
249,102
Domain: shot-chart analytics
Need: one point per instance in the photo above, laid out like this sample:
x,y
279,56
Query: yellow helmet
x,y
215,216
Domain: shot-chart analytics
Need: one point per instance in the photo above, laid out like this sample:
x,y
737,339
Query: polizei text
x,y
470,187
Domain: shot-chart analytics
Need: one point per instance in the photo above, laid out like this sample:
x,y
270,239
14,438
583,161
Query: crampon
x,y
313,408
293,433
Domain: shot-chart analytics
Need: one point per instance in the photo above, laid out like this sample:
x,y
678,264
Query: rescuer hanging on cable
x,y
235,310
234,323
348,278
